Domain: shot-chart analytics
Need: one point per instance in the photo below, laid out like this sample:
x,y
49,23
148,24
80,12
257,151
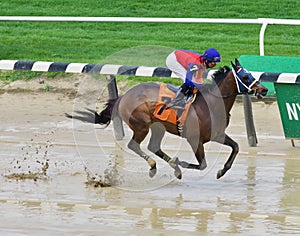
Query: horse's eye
x,y
246,79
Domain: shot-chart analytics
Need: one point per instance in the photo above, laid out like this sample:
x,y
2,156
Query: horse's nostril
x,y
265,92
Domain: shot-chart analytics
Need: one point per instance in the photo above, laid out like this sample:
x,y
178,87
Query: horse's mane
x,y
217,77
220,74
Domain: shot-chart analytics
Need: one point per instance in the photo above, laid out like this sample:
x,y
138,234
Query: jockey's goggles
x,y
214,59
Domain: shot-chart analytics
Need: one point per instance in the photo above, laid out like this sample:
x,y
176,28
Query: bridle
x,y
242,87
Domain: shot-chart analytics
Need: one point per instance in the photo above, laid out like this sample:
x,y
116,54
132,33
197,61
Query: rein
x,y
224,97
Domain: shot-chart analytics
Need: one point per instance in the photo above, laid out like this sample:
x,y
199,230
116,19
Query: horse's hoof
x,y
177,172
203,164
220,174
173,162
152,171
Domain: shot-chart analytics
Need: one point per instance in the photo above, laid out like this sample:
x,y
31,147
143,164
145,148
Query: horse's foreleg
x,y
135,146
199,153
235,149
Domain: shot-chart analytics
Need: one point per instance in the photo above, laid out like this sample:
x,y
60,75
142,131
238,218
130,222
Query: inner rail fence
x,y
109,69
112,70
263,21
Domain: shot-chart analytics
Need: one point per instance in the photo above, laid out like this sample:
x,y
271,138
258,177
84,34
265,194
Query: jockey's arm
x,y
199,78
194,75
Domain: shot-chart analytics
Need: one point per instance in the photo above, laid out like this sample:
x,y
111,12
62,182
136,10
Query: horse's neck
x,y
229,103
228,91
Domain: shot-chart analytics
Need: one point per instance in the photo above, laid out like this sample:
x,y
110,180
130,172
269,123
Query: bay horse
x,y
206,120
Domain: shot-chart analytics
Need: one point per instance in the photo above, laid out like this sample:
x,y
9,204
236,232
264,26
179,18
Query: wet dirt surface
x,y
52,170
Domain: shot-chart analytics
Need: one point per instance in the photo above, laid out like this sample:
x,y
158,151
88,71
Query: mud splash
x,y
34,163
109,178
30,175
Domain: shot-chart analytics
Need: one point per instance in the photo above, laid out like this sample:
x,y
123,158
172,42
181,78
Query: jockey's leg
x,y
181,97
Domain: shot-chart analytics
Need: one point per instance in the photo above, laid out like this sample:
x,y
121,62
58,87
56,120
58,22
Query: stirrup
x,y
189,98
177,104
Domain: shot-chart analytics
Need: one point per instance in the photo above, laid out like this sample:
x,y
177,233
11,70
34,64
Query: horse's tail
x,y
106,115
103,118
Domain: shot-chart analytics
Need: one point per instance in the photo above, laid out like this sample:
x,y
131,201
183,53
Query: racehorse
x,y
206,120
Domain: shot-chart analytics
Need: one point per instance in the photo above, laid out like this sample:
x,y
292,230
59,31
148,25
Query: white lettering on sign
x,y
292,110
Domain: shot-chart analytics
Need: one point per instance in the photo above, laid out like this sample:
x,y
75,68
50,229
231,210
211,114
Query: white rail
x,y
263,21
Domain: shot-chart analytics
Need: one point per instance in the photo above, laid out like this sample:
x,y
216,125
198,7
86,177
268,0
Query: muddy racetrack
x,y
53,171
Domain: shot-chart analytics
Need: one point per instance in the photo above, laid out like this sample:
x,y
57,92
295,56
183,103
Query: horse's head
x,y
245,81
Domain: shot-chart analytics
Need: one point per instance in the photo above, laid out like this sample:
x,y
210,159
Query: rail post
x,y
252,139
113,93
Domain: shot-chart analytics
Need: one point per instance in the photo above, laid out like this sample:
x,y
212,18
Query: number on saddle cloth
x,y
166,94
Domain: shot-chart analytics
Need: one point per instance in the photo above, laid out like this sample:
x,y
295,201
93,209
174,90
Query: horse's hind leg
x,y
157,133
134,145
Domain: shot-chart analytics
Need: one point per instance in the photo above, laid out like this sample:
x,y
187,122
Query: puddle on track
x,y
259,195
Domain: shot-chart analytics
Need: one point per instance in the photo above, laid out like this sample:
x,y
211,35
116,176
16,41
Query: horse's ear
x,y
233,65
237,62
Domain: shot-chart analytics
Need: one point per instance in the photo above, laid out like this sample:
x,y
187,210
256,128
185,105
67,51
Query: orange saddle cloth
x,y
171,115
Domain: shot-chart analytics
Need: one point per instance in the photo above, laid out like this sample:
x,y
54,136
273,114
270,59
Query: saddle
x,y
165,96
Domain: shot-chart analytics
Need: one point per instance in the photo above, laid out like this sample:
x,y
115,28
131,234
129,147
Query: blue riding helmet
x,y
211,55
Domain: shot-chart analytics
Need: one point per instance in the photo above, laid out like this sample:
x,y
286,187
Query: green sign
x,y
272,64
288,99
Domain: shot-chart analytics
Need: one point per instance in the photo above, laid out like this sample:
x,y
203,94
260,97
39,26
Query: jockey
x,y
189,66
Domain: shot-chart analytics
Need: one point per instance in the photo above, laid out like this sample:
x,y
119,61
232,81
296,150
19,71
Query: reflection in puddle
x,y
154,218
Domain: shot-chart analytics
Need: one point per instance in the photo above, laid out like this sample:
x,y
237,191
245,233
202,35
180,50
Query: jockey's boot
x,y
179,101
